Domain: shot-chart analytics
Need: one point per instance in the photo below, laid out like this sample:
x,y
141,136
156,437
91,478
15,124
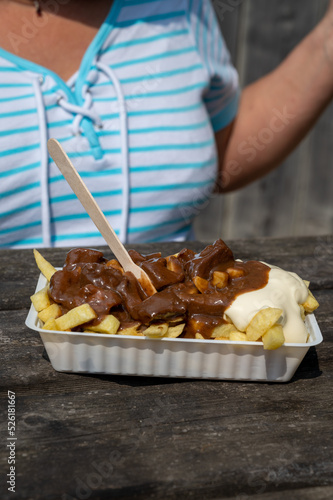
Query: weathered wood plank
x,y
319,493
141,438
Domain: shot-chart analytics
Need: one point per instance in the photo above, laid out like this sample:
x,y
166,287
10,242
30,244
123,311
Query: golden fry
x,y
76,317
50,325
157,330
115,264
234,272
223,330
199,336
173,264
51,312
41,299
44,266
200,283
220,279
131,330
262,321
174,331
273,338
311,304
109,324
238,336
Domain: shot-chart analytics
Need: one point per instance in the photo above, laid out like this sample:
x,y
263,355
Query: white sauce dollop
x,y
284,290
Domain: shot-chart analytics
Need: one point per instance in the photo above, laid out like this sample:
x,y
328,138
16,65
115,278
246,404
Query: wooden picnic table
x,y
105,437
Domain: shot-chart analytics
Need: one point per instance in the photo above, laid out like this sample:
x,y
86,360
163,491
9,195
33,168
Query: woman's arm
x,y
277,111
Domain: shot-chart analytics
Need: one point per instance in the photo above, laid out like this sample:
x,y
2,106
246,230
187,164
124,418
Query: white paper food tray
x,y
167,357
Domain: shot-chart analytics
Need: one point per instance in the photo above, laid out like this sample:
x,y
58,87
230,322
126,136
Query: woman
x,y
147,105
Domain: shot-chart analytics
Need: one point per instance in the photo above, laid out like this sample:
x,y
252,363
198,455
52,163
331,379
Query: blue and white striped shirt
x,y
137,120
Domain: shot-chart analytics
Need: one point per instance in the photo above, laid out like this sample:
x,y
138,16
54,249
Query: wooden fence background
x,y
297,198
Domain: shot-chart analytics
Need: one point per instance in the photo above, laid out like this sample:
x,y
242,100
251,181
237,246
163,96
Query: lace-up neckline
x,y
80,112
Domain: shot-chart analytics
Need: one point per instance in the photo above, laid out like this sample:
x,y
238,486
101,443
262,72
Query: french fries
x,y
44,266
156,331
174,331
198,336
132,330
238,336
264,326
41,299
75,317
262,322
220,279
109,324
311,304
51,312
50,325
222,332
273,338
201,284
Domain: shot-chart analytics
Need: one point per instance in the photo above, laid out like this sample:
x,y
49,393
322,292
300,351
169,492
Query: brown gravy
x,y
187,288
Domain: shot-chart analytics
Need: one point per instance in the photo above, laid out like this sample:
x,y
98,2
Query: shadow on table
x,y
139,381
309,367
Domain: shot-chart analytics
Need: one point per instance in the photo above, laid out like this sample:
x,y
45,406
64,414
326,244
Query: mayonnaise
x,y
284,290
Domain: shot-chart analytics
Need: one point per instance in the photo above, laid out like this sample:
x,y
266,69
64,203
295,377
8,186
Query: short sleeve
x,y
222,97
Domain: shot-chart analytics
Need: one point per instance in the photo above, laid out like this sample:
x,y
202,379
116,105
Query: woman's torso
x,y
133,121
